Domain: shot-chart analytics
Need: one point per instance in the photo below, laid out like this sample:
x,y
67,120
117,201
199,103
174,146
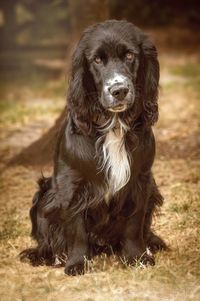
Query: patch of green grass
x,y
21,112
185,79
190,87
13,112
186,70
188,194
37,85
179,208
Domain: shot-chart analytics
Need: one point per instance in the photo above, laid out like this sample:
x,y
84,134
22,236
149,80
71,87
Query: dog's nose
x,y
119,92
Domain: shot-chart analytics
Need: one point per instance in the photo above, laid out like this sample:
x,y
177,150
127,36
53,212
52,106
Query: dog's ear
x,y
81,89
149,73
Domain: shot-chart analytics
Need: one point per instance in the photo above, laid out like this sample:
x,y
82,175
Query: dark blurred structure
x,y
28,22
50,22
157,12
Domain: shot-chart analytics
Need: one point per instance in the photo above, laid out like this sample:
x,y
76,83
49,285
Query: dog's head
x,y
114,70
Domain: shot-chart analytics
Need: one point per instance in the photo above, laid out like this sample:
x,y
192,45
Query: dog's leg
x,y
133,245
78,248
156,243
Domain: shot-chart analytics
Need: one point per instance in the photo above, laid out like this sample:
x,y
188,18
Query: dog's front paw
x,y
138,258
74,269
155,243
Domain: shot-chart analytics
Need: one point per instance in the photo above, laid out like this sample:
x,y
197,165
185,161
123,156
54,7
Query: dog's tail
x,y
44,185
33,254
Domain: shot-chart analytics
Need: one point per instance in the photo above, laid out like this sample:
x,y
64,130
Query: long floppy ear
x,y
81,90
149,81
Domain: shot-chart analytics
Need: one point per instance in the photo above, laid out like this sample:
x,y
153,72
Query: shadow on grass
x,y
40,152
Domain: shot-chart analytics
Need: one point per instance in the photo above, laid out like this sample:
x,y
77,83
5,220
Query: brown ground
x,y
27,114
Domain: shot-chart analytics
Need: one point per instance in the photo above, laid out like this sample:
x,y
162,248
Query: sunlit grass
x,y
187,70
176,275
185,77
20,113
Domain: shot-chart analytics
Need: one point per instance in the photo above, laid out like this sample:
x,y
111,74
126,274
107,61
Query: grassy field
x,y
27,111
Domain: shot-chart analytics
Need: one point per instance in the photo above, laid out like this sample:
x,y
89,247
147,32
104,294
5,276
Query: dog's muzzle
x,y
118,93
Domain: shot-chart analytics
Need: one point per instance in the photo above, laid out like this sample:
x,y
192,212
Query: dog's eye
x,y
97,60
129,56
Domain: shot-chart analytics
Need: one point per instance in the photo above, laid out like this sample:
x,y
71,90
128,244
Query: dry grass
x,y
176,275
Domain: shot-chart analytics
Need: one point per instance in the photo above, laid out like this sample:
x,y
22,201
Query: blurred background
x,y
37,39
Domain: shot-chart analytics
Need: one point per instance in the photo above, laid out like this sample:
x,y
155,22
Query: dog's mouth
x,y
118,108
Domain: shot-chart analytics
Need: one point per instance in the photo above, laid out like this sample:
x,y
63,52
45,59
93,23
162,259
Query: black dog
x,y
102,194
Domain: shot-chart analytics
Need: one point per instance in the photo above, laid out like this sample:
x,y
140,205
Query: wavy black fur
x,y
71,216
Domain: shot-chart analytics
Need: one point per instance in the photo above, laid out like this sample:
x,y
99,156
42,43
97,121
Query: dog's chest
x,y
116,161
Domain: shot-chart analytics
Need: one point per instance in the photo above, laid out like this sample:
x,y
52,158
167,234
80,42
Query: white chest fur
x,y
116,161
